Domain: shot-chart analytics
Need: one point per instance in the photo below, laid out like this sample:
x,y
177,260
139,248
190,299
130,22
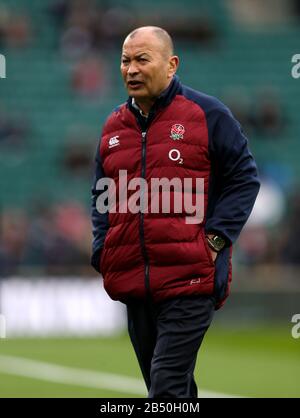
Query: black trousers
x,y
166,337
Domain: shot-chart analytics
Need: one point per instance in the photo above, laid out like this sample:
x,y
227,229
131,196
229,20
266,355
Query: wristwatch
x,y
216,242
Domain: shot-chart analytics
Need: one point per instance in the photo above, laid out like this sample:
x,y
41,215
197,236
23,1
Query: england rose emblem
x,y
177,131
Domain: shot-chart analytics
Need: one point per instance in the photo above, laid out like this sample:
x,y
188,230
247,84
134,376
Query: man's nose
x,y
132,69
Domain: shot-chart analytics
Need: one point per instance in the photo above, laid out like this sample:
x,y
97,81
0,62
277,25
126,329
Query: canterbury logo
x,y
195,281
113,142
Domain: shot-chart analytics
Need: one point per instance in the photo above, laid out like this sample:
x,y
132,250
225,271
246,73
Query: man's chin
x,y
137,92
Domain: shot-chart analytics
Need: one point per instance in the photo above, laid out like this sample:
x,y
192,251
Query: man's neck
x,y
144,106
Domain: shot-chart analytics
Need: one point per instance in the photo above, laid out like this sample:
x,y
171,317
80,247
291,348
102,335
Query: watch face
x,y
219,242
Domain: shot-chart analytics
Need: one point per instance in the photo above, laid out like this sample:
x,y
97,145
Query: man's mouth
x,y
134,84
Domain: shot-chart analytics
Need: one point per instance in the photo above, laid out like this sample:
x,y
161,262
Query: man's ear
x,y
173,65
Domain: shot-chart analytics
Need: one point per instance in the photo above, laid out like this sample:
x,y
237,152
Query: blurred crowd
x,y
260,113
270,233
14,129
87,25
15,28
53,240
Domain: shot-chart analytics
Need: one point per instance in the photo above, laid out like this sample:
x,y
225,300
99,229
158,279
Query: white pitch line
x,y
80,377
70,376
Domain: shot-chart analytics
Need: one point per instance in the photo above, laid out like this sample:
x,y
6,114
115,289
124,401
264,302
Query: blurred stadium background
x,y
64,337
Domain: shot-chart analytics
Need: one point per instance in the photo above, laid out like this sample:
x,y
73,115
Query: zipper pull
x,y
144,136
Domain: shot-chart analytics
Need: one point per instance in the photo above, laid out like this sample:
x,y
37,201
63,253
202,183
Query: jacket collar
x,y
163,100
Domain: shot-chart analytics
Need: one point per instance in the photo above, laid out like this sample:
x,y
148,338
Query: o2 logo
x,y
296,67
296,328
175,155
2,66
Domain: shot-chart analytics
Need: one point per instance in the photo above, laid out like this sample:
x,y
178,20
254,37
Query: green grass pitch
x,y
260,362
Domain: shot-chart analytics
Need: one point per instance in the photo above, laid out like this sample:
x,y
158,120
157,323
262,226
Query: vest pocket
x,y
207,249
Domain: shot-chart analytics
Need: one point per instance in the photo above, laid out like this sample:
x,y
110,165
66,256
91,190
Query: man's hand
x,y
213,253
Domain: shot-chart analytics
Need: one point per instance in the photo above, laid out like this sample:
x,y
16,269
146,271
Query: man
x,y
172,274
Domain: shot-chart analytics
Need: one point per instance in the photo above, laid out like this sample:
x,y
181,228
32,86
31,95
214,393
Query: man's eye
x,y
125,61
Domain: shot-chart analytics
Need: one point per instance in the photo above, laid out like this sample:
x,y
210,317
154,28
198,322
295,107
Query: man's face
x,y
145,66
